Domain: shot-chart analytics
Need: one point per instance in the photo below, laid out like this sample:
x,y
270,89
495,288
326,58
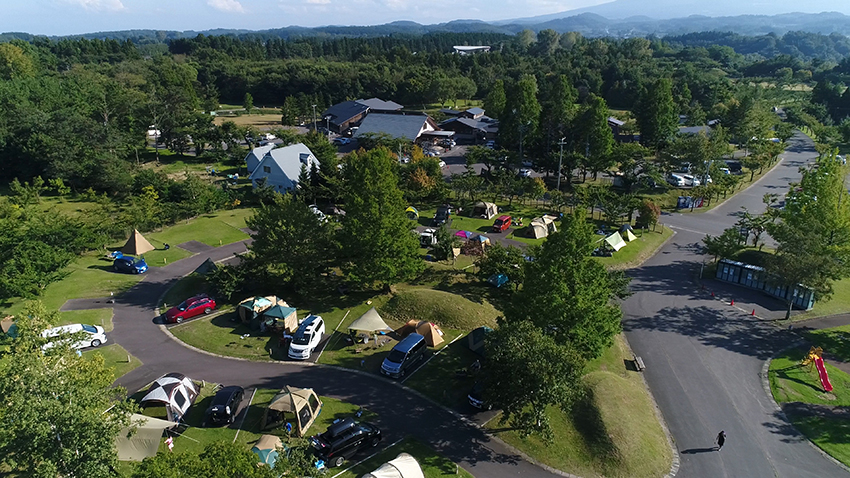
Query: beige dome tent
x,y
137,244
484,210
432,333
145,441
371,321
403,466
301,406
542,227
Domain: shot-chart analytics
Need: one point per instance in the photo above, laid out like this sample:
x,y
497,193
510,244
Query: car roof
x,y
224,394
503,218
408,342
312,321
340,427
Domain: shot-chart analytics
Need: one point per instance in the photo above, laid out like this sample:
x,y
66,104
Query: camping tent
x,y
484,210
432,333
627,232
8,326
371,321
412,213
301,403
145,441
207,267
175,391
249,310
403,466
137,244
542,226
475,340
266,449
498,280
616,241
281,316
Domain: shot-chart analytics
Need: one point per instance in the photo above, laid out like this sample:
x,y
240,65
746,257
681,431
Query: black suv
x,y
343,439
443,216
224,406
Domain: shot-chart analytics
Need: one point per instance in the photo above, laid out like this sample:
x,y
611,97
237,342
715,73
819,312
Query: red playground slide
x,y
824,378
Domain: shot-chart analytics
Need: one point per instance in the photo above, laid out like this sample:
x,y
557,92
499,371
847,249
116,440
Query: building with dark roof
x,y
345,115
473,113
407,126
377,105
473,129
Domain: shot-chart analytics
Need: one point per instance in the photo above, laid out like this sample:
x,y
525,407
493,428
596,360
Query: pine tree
x,y
656,114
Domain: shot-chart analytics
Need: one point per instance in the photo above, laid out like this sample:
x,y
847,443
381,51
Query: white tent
x,y
542,226
371,321
484,210
627,235
403,466
145,441
175,391
616,241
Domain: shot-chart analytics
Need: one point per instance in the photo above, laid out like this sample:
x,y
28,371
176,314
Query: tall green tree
x,y
218,459
522,114
656,114
568,293
494,102
60,413
248,103
377,246
597,139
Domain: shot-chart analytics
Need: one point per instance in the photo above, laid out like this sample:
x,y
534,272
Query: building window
x,y
267,169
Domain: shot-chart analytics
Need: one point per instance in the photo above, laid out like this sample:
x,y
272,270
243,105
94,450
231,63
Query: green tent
x,y
267,448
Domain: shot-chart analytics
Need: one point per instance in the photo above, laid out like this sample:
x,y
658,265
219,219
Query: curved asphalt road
x,y
704,358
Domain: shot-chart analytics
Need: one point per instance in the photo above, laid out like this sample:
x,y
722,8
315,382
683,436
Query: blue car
x,y
130,265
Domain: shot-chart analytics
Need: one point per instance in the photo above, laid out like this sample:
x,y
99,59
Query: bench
x,y
639,365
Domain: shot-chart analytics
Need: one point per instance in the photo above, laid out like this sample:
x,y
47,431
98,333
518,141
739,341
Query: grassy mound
x,y
448,310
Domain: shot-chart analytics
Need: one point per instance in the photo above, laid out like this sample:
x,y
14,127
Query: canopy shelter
x,y
484,240
412,213
281,317
371,321
137,244
267,448
250,310
144,442
484,210
464,234
475,340
403,466
207,267
301,405
175,391
616,241
431,331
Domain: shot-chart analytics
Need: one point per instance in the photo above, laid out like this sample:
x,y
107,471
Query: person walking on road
x,y
721,439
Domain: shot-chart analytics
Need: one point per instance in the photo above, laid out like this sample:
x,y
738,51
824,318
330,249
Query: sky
x,y
66,17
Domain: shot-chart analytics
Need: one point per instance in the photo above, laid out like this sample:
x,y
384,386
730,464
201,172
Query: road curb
x,y
765,383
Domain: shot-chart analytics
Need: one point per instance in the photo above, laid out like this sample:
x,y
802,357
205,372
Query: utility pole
x,y
561,160
314,118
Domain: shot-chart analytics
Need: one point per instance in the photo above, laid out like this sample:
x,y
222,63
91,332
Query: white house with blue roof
x,y
281,167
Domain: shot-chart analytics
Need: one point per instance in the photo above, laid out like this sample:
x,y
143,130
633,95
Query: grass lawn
x,y
839,303
791,383
615,432
264,121
209,229
433,464
443,308
834,341
831,435
637,251
115,358
439,381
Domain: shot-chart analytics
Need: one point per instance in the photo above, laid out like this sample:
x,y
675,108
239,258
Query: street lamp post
x,y
314,118
561,160
328,126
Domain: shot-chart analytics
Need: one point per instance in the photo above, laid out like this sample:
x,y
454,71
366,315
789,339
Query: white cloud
x,y
227,5
99,5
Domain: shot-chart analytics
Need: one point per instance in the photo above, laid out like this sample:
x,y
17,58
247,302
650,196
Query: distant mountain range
x,y
588,24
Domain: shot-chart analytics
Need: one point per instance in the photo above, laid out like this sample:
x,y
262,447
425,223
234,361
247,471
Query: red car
x,y
200,304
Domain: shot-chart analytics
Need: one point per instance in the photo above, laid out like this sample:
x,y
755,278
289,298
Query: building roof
x,y
615,121
465,48
449,111
482,123
694,130
475,111
342,112
289,159
408,126
377,104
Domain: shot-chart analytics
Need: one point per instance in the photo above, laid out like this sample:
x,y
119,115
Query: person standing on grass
x,y
721,439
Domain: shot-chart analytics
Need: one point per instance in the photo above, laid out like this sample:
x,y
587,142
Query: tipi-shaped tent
x,y
137,244
145,441
302,404
207,267
616,241
403,466
371,321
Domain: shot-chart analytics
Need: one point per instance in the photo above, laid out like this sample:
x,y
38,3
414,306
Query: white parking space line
x,y
369,457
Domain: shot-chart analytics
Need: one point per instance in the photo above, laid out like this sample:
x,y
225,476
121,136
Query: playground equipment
x,y
815,359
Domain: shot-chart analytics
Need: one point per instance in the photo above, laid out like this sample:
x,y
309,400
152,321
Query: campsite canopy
x,y
464,234
145,442
498,280
251,308
484,210
207,267
616,241
432,333
266,449
403,466
280,313
137,244
628,235
9,327
302,403
371,321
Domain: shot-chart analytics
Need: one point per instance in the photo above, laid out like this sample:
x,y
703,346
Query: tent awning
x,y
370,322
403,466
616,241
145,441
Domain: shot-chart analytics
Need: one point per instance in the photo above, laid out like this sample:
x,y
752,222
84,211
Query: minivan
x,y
404,355
502,223
90,335
307,338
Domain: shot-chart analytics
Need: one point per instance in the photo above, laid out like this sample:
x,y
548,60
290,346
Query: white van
x,y
690,180
676,180
307,338
88,335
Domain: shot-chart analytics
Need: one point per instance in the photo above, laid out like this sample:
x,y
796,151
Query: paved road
x,y
704,357
400,412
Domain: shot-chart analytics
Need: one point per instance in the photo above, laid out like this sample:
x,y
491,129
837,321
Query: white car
x,y
442,164
307,337
524,173
315,210
81,335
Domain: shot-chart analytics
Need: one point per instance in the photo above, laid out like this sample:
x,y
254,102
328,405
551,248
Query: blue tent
x,y
498,280
266,449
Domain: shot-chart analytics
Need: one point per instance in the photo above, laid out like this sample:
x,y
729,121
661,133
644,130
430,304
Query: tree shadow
x,y
588,422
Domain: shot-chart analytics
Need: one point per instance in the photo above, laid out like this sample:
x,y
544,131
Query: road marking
x,y
328,344
686,229
244,415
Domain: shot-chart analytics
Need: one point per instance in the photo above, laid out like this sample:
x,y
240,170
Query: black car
x,y
443,216
344,439
224,406
476,397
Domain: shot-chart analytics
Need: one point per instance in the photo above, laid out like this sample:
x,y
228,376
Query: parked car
x,y
691,180
735,167
442,164
476,397
442,216
404,355
224,406
342,141
524,173
191,307
428,238
343,439
490,145
79,335
502,223
130,265
676,180
307,337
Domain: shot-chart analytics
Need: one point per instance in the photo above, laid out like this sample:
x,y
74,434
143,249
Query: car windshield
x,y
396,356
182,306
90,329
301,339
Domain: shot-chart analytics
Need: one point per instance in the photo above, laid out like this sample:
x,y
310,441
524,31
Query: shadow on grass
x,y
103,267
588,422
